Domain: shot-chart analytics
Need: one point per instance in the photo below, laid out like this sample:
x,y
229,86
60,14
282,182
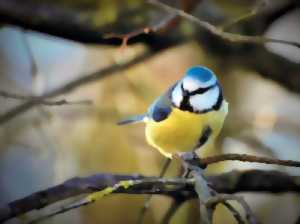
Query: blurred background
x,y
49,144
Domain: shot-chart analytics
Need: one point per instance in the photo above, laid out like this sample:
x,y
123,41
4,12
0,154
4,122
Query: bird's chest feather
x,y
182,129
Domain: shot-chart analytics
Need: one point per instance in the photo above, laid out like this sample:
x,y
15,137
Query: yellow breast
x,y
181,131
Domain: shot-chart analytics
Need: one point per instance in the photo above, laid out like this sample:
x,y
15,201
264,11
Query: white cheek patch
x,y
177,95
191,84
206,100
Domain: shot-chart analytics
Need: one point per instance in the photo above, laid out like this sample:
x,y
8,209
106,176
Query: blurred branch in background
x,y
238,38
182,188
224,198
72,85
14,96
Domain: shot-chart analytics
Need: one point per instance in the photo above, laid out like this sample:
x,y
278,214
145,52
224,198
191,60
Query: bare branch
x,y
44,102
232,182
248,158
236,38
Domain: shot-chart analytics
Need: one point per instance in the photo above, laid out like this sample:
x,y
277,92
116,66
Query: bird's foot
x,y
190,161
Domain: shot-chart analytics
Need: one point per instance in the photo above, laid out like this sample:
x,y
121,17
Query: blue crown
x,y
200,73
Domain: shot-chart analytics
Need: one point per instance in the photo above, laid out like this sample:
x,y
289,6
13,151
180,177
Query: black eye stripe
x,y
201,90
197,91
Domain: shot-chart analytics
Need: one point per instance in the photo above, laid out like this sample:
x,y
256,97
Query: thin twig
x,y
235,38
248,158
145,30
44,102
256,10
220,198
234,212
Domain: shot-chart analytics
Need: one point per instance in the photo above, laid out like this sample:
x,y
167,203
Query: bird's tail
x,y
133,119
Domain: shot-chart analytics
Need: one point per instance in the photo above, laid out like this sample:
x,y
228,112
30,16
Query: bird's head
x,y
198,91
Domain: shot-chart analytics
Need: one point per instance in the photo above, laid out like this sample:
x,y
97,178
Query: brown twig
x,y
248,158
43,102
235,38
145,30
221,198
234,212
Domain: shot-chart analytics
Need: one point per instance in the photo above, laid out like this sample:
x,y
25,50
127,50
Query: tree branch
x,y
235,213
247,158
232,182
15,96
231,37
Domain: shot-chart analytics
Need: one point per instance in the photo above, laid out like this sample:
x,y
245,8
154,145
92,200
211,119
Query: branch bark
x,y
246,158
61,102
231,182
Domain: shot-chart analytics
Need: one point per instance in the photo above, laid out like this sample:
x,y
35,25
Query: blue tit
x,y
188,116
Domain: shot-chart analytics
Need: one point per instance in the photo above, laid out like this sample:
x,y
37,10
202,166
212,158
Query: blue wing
x,y
159,110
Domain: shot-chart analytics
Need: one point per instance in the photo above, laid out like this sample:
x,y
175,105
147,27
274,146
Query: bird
x,y
188,117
